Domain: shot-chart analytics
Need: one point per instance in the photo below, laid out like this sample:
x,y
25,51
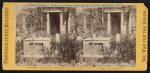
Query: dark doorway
x,y
115,23
55,23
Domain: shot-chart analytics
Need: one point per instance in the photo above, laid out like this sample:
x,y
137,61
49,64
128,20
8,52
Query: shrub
x,y
19,50
127,48
67,48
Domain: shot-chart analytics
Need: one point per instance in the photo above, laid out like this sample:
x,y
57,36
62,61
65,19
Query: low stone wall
x,y
33,47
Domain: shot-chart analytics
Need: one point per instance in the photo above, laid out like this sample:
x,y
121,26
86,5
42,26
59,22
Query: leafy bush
x,y
67,48
127,48
19,50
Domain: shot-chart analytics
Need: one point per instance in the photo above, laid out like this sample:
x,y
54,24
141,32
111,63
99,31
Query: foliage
x,y
69,47
19,50
127,48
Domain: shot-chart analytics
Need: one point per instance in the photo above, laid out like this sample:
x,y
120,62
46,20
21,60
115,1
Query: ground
x,y
83,64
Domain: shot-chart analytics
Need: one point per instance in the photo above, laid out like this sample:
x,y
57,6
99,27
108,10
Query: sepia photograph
x,y
76,36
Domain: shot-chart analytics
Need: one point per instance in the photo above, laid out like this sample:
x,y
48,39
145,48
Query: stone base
x,y
36,46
